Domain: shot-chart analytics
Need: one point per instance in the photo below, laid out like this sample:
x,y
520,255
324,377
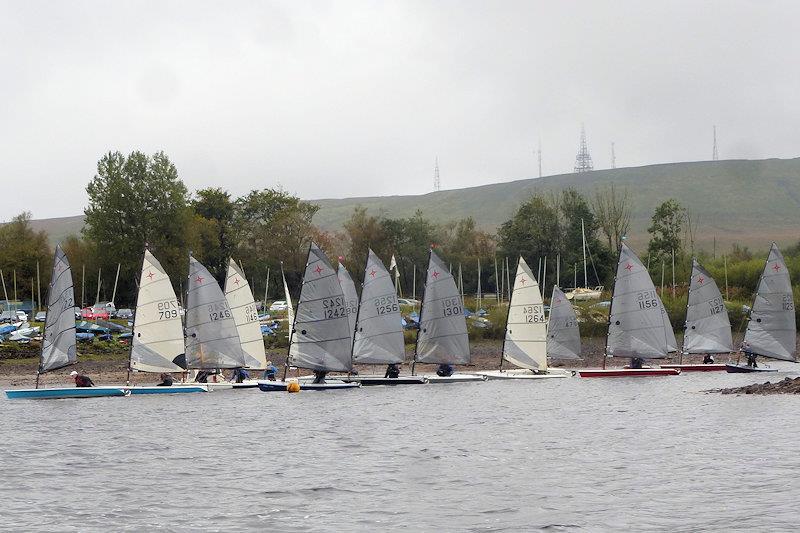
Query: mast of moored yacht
x,y
583,237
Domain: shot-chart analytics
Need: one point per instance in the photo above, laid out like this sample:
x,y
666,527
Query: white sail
x,y
637,326
289,307
525,343
243,306
563,335
771,330
708,328
321,339
379,331
157,344
212,340
58,341
350,296
442,336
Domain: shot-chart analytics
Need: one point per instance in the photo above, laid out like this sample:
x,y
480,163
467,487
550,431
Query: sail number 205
x,y
647,300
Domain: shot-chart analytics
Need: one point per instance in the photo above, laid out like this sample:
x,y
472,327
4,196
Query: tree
x,y
21,247
577,221
217,232
666,230
612,208
533,232
133,201
363,231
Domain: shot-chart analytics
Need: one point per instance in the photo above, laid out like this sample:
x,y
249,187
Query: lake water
x,y
557,455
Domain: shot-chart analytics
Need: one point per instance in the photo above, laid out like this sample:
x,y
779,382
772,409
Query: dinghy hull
x,y
372,380
455,378
525,374
281,386
744,369
173,389
714,367
628,372
57,393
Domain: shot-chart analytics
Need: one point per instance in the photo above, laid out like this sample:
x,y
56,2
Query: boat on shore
x,y
771,330
638,327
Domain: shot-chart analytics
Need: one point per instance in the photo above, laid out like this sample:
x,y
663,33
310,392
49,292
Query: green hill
x,y
749,202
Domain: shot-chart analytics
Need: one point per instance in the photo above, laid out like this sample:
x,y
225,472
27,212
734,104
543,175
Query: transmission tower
x,y
539,153
715,154
583,161
613,157
437,184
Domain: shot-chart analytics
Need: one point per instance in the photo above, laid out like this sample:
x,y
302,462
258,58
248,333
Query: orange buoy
x,y
293,386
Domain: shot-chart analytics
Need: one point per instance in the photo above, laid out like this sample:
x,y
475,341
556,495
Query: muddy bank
x,y
785,386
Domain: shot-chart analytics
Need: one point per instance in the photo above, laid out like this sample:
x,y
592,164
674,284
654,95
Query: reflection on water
x,y
597,454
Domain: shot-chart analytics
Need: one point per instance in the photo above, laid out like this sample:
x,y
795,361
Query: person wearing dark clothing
x,y
81,380
202,376
708,359
636,362
445,370
239,375
392,371
319,376
166,380
751,360
270,372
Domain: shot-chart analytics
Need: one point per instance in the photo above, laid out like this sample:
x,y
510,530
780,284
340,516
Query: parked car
x,y
41,316
408,301
93,313
108,306
124,313
279,305
13,316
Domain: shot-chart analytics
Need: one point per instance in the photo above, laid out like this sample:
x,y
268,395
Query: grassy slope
x,y
750,202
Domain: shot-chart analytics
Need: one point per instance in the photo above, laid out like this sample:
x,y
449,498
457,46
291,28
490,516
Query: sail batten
x,y
563,334
525,343
771,329
243,306
157,343
708,328
637,325
321,338
442,337
58,340
379,333
212,339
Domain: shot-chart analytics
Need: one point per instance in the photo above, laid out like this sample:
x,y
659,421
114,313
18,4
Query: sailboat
x,y
350,296
58,342
771,330
243,306
585,292
320,338
212,338
378,337
157,340
442,336
638,326
708,328
563,333
525,341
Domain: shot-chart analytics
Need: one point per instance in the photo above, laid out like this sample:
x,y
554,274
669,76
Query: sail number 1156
x,y
647,300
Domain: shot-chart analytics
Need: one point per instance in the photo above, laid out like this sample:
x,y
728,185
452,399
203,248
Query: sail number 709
x,y
167,309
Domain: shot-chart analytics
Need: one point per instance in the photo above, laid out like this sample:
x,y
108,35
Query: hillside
x,y
749,202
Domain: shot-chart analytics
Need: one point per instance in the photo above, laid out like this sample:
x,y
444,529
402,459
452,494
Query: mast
x,y
358,312
478,306
421,310
294,321
611,306
505,333
686,319
133,326
583,237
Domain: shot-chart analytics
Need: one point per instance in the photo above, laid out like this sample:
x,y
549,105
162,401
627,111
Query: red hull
x,y
628,372
698,368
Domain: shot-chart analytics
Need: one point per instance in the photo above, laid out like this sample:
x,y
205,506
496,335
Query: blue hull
x,y
280,386
59,393
744,369
174,389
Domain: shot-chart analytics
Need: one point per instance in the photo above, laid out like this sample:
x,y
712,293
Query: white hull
x,y
455,378
580,294
522,374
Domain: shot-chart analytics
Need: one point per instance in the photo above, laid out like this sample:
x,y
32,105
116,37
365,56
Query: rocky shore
x,y
785,386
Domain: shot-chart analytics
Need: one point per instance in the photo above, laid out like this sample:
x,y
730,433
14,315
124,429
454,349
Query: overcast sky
x,y
336,99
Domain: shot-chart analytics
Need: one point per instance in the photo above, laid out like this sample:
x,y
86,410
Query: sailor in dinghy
x,y
320,337
771,330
